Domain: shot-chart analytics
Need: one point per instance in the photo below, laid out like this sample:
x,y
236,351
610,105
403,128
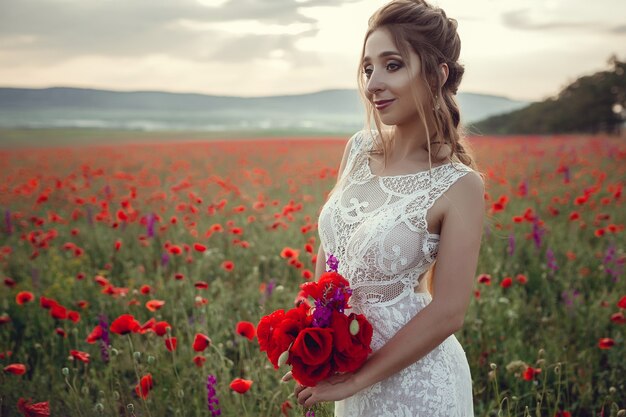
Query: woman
x,y
385,223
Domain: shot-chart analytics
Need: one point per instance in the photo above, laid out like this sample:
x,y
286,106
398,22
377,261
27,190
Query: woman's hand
x,y
334,388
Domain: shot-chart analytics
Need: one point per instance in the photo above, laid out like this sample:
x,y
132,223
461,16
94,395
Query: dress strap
x,y
355,149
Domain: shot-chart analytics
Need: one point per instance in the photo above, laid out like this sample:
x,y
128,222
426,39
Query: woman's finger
x,y
287,377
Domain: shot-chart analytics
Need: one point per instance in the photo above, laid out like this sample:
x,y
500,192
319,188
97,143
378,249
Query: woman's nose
x,y
374,84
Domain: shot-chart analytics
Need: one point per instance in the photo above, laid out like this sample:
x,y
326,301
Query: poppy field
x,y
134,275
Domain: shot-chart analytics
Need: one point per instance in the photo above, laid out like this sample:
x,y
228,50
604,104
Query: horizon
x,y
242,48
225,96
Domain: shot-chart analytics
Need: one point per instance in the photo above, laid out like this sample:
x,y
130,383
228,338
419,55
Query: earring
x,y
437,105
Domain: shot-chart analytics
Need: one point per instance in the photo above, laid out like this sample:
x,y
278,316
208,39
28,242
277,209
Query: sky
x,y
526,50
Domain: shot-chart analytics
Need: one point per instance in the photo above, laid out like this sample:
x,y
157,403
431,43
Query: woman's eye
x,y
367,71
392,66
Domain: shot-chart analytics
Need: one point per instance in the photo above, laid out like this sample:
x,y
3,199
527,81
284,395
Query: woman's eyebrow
x,y
383,54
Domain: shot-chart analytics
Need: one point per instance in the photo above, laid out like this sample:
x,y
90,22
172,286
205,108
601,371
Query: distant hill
x,y
591,104
330,110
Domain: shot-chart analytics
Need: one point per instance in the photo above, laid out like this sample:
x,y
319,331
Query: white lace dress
x,y
376,227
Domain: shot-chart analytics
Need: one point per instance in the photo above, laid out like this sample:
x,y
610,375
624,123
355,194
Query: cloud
x,y
521,19
54,30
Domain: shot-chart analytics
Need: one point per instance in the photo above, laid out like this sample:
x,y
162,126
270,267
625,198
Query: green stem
x,y
143,400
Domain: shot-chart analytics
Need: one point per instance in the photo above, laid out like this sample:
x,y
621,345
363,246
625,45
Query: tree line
x,y
592,104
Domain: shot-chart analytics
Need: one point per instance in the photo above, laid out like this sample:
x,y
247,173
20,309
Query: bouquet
x,y
317,339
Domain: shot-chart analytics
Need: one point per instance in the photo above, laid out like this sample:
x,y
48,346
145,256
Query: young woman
x,y
387,225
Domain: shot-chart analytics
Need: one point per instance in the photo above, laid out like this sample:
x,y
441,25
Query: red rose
x,y
310,355
350,351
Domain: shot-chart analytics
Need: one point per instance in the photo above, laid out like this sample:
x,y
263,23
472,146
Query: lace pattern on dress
x,y
377,228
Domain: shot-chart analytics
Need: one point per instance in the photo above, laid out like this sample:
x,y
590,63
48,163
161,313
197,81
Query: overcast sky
x,y
520,49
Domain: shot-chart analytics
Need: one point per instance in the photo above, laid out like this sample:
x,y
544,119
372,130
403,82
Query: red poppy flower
x,y
82,304
201,285
4,319
506,282
95,334
484,279
285,407
57,311
81,356
23,297
145,385
310,354
179,276
530,373
61,332
199,360
15,369
160,327
124,324
562,414
147,326
199,247
228,265
41,409
73,316
154,305
47,303
102,281
240,385
618,318
289,253
307,274
9,282
201,342
521,278
622,302
145,289
170,343
606,343
246,329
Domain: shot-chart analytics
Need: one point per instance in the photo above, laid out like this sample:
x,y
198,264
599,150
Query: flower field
x,y
133,276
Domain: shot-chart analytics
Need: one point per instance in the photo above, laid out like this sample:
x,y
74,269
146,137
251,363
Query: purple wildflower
x,y
322,314
212,401
7,221
551,260
537,232
569,297
269,288
105,341
332,262
511,247
150,225
613,266
165,259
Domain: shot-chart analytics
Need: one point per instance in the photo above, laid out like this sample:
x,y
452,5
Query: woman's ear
x,y
444,71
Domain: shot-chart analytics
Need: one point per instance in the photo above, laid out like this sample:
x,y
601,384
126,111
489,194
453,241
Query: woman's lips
x,y
381,104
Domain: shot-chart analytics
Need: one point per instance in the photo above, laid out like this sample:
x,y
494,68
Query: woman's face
x,y
389,79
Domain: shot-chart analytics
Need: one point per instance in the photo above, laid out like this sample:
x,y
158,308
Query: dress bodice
x,y
376,225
